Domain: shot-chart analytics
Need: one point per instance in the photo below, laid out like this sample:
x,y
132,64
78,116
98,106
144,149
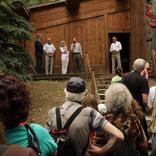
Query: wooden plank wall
x,y
91,25
137,30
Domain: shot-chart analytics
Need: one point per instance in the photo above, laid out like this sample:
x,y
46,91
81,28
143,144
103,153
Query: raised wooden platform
x,y
59,76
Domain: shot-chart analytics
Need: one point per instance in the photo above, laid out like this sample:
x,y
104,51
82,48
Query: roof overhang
x,y
70,4
48,4
21,9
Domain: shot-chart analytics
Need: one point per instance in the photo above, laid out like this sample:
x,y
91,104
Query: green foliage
x,y
14,30
34,2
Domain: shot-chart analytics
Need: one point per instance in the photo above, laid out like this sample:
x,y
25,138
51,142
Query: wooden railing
x,y
94,89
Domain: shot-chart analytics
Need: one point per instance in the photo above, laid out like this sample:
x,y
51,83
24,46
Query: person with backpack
x,y
14,110
12,150
73,122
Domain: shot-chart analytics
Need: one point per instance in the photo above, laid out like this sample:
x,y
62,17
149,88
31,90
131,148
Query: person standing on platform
x,y
77,55
49,50
115,49
64,57
38,53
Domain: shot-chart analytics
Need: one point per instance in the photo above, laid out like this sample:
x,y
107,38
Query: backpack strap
x,y
58,119
70,120
73,116
33,141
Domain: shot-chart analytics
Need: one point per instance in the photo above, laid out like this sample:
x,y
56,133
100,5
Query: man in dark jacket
x,y
137,84
38,53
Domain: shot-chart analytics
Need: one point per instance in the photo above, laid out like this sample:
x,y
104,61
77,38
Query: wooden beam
x,y
20,9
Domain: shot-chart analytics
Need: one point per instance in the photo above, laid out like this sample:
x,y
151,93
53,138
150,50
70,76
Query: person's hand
x,y
143,144
50,54
95,150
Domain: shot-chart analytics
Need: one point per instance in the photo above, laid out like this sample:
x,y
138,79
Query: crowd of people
x,y
49,49
79,127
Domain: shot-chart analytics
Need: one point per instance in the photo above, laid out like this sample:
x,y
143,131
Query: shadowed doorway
x,y
124,38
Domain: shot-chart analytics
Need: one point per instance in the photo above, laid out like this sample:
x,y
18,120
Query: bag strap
x,y
70,120
73,116
33,142
58,119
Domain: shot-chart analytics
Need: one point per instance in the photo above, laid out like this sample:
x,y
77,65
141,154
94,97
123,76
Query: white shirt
x,y
65,53
116,46
49,48
76,48
151,96
63,50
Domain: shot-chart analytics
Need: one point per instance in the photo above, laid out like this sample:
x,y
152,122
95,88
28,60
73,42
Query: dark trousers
x,y
38,64
77,63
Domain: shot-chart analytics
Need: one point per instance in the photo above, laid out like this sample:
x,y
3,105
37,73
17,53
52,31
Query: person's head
x,y
139,65
62,43
38,36
74,39
114,39
118,71
89,101
49,40
75,89
14,100
118,98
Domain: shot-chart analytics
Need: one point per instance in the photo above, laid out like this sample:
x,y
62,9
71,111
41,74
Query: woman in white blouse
x,y
64,57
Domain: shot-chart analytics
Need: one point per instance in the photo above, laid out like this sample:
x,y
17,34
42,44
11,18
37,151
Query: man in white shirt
x,y
49,50
115,49
77,55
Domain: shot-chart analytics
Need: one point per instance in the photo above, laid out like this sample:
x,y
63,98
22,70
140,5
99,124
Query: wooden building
x,y
93,23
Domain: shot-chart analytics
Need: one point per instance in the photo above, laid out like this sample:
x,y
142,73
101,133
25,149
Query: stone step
x,y
103,101
102,82
103,86
102,96
103,75
101,90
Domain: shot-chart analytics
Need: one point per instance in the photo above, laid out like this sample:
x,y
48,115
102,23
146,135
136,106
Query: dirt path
x,y
44,96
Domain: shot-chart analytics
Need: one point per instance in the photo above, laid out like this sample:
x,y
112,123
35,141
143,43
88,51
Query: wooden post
x,y
72,4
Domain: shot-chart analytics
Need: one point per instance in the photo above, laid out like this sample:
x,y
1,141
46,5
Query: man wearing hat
x,y
88,119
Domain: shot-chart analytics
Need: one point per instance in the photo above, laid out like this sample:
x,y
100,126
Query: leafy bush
x,y
14,30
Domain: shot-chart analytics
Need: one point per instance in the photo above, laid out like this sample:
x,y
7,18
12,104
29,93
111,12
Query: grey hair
x,y
118,98
139,64
77,97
